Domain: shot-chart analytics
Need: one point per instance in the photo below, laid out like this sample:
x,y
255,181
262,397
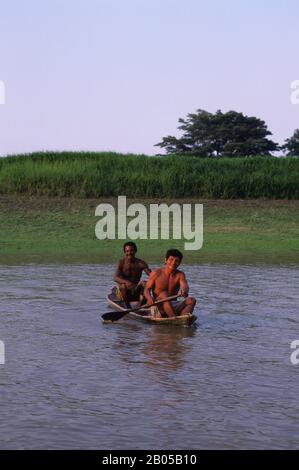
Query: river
x,y
71,382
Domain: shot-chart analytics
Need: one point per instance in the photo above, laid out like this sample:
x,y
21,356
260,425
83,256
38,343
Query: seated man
x,y
128,274
167,281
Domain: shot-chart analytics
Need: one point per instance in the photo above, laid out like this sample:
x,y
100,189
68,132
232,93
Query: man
x,y
167,281
128,274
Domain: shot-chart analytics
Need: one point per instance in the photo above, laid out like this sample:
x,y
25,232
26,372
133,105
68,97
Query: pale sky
x,y
117,74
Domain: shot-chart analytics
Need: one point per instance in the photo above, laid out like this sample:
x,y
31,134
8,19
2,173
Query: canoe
x,y
144,315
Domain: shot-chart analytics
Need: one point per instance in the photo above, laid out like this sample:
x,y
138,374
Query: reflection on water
x,y
163,348
71,382
166,348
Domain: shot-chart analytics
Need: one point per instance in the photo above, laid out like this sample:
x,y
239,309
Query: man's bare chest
x,y
165,281
131,269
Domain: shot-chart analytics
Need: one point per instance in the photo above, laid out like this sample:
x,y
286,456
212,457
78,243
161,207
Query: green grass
x,y
94,175
62,230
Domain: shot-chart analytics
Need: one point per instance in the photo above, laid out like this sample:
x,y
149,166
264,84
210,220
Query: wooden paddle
x,y
114,316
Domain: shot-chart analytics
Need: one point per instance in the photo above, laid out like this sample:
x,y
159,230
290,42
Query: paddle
x,y
114,316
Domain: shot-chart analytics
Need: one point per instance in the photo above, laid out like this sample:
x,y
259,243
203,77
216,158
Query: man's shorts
x,y
133,294
176,304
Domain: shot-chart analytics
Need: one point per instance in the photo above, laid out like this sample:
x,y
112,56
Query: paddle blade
x,y
113,316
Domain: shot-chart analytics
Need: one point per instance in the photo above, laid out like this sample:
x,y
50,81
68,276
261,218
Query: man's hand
x,y
129,284
184,293
150,301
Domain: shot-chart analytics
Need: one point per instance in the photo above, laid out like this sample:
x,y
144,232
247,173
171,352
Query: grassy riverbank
x,y
41,229
94,175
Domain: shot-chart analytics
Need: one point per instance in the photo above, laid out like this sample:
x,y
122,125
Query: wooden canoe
x,y
145,314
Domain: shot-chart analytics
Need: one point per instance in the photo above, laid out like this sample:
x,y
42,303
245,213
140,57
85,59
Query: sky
x,y
118,74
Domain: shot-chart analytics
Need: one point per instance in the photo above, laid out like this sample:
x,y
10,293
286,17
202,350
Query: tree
x,y
228,134
291,146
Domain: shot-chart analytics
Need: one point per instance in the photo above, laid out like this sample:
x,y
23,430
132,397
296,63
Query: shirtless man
x,y
128,274
167,281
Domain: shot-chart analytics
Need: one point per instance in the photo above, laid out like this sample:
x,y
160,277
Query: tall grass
x,y
85,175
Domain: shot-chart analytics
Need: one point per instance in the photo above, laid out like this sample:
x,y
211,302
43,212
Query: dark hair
x,y
174,252
132,244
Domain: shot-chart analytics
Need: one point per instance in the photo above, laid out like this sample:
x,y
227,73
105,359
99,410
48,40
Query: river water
x,y
70,382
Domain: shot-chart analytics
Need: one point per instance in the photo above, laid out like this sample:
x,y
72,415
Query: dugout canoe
x,y
144,315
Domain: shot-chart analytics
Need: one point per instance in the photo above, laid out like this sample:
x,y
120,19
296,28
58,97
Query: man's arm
x,y
149,286
183,285
146,268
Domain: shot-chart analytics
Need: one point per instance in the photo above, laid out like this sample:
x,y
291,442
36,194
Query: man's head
x,y
173,258
130,249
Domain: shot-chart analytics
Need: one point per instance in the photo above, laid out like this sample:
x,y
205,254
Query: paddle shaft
x,y
114,316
